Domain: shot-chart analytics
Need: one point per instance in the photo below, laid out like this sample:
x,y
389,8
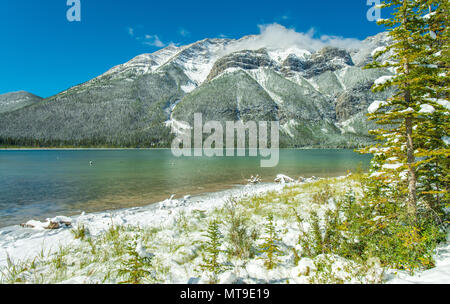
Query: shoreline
x,y
21,243
123,167
195,194
149,149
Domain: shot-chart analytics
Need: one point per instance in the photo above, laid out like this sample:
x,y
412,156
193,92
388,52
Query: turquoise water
x,y
39,184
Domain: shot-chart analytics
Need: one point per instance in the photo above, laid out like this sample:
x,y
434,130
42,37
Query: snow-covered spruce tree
x,y
395,161
431,133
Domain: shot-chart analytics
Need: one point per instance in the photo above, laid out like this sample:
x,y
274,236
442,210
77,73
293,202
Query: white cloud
x,y
153,40
131,31
274,36
150,40
184,32
285,16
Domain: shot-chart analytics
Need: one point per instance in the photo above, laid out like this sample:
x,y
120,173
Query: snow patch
x,y
444,103
392,166
189,87
426,109
383,79
378,49
375,106
280,55
428,16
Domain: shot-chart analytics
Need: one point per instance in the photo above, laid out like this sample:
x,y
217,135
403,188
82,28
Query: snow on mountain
x,y
280,55
262,78
197,59
297,79
144,63
369,47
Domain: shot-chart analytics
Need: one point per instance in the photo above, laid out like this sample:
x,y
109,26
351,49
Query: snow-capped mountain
x,y
320,96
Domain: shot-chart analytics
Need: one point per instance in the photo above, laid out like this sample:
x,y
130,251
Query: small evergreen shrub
x,y
323,195
211,261
240,237
270,248
373,225
134,267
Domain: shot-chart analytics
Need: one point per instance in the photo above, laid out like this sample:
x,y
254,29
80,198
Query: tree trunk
x,y
412,180
438,202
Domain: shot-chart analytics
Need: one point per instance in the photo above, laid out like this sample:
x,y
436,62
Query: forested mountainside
x,y
320,97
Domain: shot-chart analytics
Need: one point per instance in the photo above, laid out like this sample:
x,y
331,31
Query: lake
x,y
36,184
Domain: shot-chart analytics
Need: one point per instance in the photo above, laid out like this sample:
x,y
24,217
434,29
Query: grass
x,y
307,229
80,232
14,272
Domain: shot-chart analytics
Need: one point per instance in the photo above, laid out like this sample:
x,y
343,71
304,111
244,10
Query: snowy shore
x,y
21,243
173,230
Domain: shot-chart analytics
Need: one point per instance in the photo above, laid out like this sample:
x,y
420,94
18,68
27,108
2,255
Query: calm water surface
x,y
40,184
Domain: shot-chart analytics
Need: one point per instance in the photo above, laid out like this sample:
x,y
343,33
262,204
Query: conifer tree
x,y
270,247
134,268
395,160
433,168
211,259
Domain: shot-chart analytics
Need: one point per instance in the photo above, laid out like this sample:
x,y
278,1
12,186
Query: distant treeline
x,y
86,143
34,143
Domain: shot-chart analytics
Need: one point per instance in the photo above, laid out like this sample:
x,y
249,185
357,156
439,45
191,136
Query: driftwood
x,y
53,226
283,179
254,179
50,224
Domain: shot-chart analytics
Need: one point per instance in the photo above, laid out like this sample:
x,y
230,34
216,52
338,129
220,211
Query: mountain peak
x,y
320,97
15,100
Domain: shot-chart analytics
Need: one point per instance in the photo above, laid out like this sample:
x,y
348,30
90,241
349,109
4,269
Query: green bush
x,y
240,237
134,267
373,225
212,250
270,248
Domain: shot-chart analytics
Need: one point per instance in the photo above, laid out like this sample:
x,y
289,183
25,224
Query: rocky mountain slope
x,y
319,96
13,101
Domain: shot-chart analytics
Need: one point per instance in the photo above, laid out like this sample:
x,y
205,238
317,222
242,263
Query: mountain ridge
x,y
16,100
320,97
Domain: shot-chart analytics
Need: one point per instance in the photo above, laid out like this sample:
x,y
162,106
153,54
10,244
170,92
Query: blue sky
x,y
41,52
